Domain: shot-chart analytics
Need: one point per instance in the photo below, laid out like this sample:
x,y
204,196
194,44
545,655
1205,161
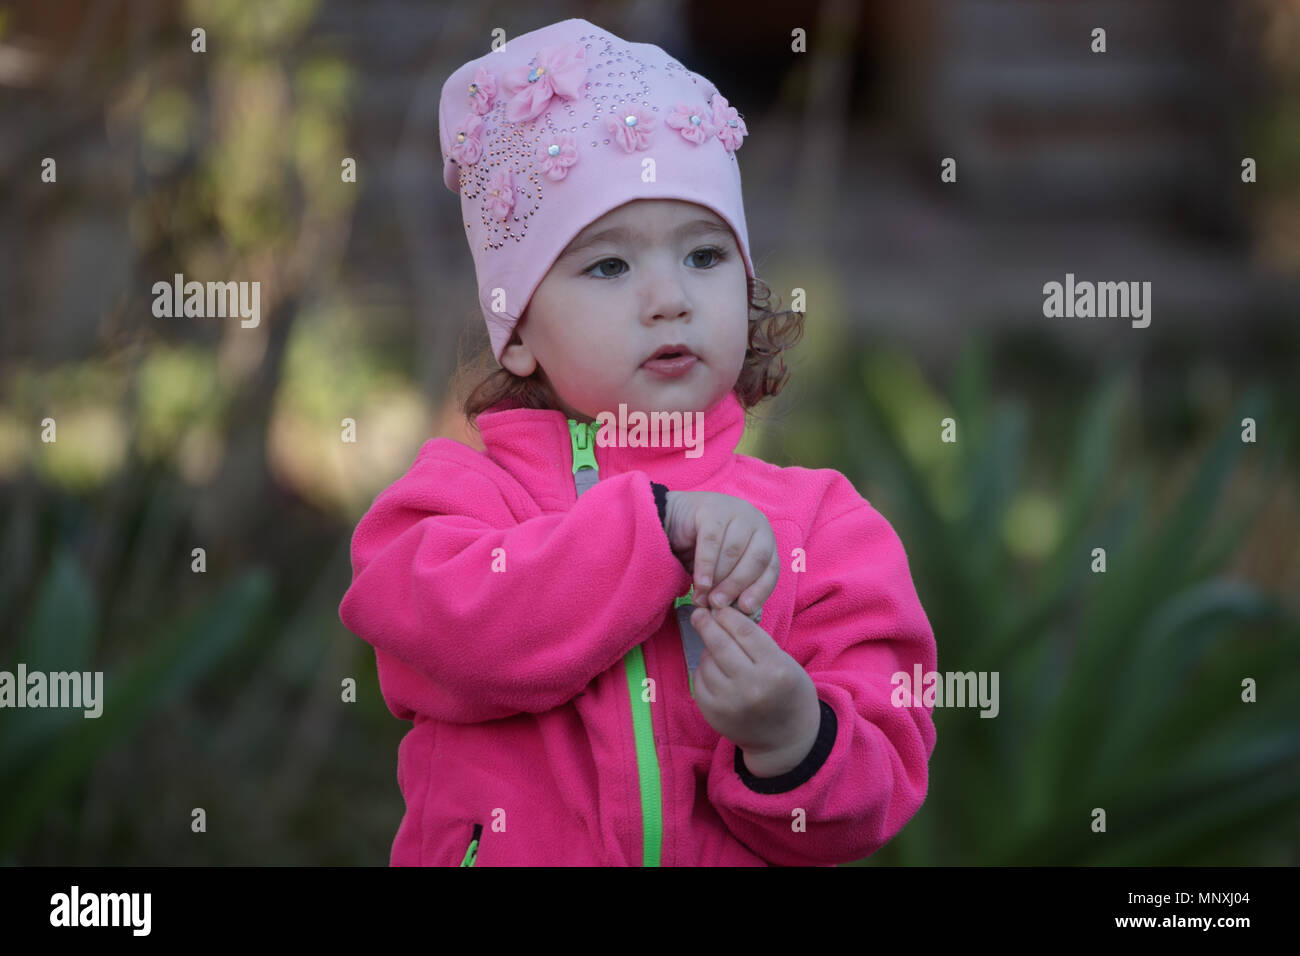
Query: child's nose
x,y
665,297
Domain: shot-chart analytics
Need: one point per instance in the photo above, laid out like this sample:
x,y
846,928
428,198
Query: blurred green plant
x,y
221,690
1119,690
45,753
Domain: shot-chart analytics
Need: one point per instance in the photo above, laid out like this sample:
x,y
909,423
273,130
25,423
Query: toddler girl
x,y
619,642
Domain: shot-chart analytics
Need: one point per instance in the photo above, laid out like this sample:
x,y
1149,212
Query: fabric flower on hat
x,y
501,198
560,71
482,91
554,157
467,141
692,122
632,127
731,128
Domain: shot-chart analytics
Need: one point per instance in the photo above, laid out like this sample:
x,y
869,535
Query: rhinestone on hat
x,y
629,120
553,150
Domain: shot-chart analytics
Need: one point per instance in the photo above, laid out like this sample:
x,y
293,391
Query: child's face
x,y
605,308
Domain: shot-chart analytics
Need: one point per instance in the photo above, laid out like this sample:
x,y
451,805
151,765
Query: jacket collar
x,y
536,447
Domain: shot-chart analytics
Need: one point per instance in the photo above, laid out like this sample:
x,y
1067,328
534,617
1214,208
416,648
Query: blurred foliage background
x,y
1119,690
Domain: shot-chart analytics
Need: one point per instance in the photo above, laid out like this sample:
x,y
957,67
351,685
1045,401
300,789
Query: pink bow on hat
x,y
560,71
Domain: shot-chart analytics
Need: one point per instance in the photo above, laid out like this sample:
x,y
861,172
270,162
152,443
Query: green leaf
x,y
59,636
1173,642
181,655
60,633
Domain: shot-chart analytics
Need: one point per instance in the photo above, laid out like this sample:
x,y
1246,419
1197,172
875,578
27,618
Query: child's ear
x,y
517,358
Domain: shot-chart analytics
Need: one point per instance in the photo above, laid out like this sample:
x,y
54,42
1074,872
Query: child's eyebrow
x,y
621,234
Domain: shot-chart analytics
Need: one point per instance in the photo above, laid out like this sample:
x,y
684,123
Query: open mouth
x,y
672,351
670,363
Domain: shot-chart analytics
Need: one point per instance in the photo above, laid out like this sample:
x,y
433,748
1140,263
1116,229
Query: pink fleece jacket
x,y
528,632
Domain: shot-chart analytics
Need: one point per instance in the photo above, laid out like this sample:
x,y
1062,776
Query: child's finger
x,y
742,632
748,569
726,653
735,545
706,677
752,598
708,539
753,641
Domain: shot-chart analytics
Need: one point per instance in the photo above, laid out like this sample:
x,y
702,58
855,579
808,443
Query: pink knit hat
x,y
561,126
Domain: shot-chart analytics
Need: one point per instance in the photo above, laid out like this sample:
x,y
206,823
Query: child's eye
x,y
718,254
602,262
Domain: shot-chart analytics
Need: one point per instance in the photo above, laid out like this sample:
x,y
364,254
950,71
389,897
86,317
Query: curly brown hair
x,y
763,374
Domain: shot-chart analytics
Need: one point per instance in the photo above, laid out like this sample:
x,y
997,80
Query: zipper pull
x,y
585,470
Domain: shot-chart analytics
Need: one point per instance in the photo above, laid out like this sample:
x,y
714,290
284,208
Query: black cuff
x,y
661,500
802,773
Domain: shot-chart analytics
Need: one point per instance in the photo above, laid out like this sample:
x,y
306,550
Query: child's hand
x,y
728,546
754,693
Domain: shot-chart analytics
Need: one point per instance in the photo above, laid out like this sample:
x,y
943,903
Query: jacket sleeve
x,y
475,615
857,621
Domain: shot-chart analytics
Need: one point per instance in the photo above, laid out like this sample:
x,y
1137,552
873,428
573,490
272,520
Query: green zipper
x,y
471,854
584,446
647,759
